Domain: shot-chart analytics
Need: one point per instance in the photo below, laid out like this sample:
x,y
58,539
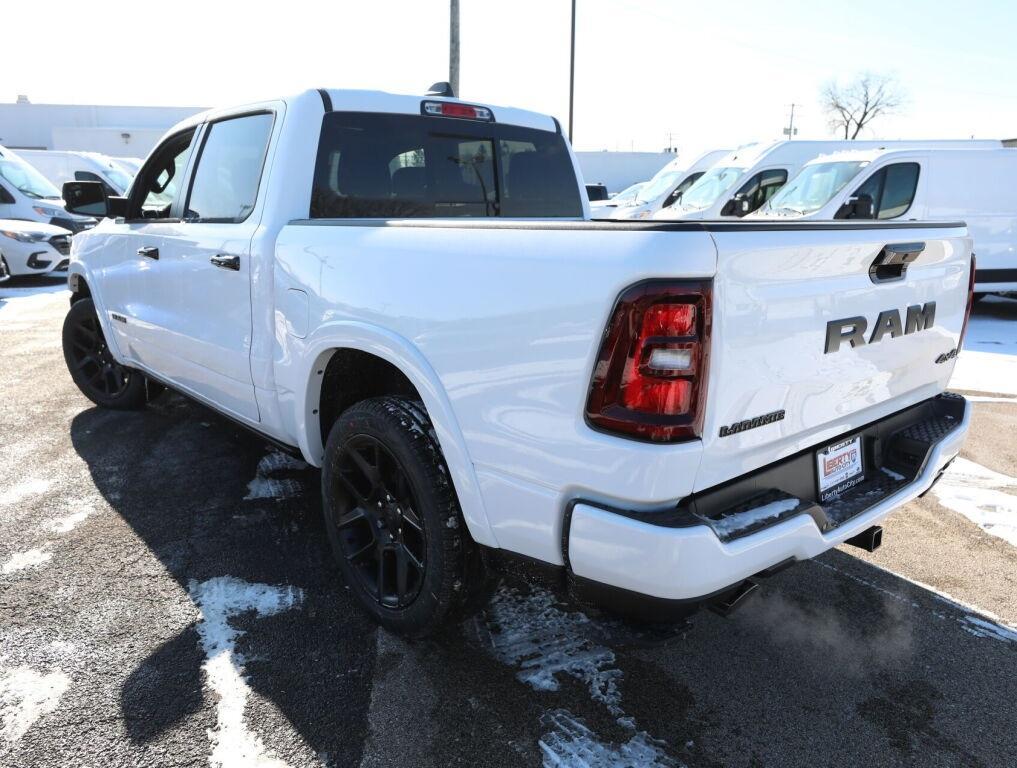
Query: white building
x,y
111,130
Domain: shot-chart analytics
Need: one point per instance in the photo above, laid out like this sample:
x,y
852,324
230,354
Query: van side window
x,y
159,179
676,195
762,187
225,182
892,189
395,166
898,190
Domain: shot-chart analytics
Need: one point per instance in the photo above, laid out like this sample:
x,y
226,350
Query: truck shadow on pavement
x,y
835,658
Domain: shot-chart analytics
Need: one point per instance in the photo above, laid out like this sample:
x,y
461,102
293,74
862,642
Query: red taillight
x,y
971,303
453,109
650,377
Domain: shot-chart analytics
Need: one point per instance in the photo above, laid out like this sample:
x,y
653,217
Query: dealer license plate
x,y
838,467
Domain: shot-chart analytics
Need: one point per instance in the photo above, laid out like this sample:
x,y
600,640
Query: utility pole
x,y
572,68
791,131
453,47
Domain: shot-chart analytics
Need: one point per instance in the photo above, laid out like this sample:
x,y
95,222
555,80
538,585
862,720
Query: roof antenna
x,y
441,89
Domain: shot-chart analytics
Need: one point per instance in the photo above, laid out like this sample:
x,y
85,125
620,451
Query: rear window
x,y
405,166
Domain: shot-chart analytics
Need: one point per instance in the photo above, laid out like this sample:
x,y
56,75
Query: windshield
x,y
629,193
27,180
659,185
120,179
814,187
711,185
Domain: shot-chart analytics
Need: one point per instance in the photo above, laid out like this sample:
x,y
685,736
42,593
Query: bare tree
x,y
855,105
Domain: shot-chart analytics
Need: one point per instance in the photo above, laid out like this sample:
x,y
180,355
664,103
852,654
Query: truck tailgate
x,y
810,341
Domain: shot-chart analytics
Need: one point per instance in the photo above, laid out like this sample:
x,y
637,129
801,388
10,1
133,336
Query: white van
x,y
31,248
975,186
27,195
59,166
665,188
748,177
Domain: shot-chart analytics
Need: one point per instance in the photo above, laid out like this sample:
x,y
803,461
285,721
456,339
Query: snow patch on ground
x,y
28,559
70,522
750,517
218,600
976,492
533,633
23,490
265,486
979,627
570,744
25,696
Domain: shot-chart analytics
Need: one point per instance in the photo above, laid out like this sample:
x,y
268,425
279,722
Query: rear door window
x,y
405,166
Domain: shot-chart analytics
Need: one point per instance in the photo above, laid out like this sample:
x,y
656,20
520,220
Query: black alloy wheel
x,y
381,534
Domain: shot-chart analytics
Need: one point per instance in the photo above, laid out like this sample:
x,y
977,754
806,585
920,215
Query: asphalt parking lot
x,y
166,599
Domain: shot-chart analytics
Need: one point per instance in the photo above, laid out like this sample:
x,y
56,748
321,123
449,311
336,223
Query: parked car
x,y
32,248
667,186
599,208
976,186
748,177
59,166
408,292
129,165
28,195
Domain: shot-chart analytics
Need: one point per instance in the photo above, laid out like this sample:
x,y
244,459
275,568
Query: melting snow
x,y
264,486
975,492
23,490
21,560
544,641
219,600
69,523
570,744
27,695
979,627
742,520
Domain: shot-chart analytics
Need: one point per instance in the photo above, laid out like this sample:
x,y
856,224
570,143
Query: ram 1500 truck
x,y
408,292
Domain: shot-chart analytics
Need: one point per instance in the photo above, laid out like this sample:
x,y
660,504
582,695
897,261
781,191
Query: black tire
x,y
92,367
389,506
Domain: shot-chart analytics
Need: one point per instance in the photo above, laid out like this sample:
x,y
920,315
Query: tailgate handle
x,y
891,263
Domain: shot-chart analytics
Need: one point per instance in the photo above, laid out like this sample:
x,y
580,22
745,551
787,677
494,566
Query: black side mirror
x,y
89,198
857,207
736,206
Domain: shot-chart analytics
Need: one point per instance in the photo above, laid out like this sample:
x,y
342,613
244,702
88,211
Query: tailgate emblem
x,y
758,421
920,317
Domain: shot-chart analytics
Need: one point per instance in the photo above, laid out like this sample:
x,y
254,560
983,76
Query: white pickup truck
x,y
407,292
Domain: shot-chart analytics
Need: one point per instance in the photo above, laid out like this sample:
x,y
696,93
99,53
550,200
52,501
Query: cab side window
x,y
759,189
228,171
892,190
676,195
159,179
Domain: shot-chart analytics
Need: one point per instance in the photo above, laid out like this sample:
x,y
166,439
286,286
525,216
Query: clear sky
x,y
712,74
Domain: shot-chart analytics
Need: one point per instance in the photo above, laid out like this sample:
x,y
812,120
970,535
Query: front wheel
x,y
393,518
92,366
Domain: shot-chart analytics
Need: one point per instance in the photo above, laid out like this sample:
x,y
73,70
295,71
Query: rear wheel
x,y
393,518
92,366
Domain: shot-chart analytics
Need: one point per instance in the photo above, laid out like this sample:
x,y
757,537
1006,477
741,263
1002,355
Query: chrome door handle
x,y
149,251
226,261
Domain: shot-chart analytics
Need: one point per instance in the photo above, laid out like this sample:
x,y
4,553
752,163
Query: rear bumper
x,y
714,540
